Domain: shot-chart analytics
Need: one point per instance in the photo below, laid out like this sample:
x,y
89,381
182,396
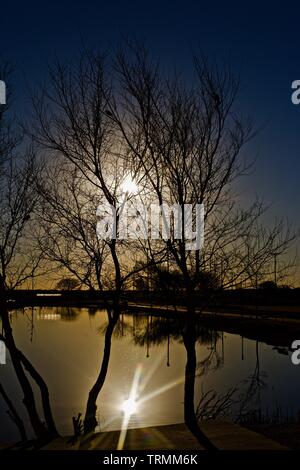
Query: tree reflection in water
x,y
186,330
44,430
146,331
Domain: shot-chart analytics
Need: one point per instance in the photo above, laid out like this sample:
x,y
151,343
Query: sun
x,y
129,407
129,186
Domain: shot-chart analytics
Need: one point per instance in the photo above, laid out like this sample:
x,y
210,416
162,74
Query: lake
x,y
66,345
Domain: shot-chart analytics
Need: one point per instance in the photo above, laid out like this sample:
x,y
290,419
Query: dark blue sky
x,y
261,41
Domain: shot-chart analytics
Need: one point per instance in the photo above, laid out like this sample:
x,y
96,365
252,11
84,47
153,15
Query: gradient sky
x,y
261,41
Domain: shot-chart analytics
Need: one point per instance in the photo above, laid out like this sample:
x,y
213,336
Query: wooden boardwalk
x,y
225,436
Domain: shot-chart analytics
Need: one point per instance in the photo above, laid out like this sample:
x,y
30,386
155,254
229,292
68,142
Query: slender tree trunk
x,y
14,414
28,398
90,421
44,394
19,360
189,339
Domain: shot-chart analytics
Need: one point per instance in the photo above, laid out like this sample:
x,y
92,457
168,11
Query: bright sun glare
x,y
129,407
129,186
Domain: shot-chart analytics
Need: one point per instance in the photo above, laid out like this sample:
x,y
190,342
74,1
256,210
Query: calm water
x,y
66,347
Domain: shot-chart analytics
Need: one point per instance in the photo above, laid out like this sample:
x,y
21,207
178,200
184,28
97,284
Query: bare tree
x,y
19,254
20,258
182,144
186,142
71,124
67,236
213,405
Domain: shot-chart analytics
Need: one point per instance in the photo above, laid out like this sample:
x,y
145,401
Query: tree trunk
x,y
90,421
28,398
190,419
44,394
14,414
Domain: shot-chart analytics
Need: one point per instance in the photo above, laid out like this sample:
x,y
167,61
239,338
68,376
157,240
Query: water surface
x,y
66,347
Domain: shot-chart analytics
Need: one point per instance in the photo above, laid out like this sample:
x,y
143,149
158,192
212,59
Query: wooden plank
x,y
225,436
